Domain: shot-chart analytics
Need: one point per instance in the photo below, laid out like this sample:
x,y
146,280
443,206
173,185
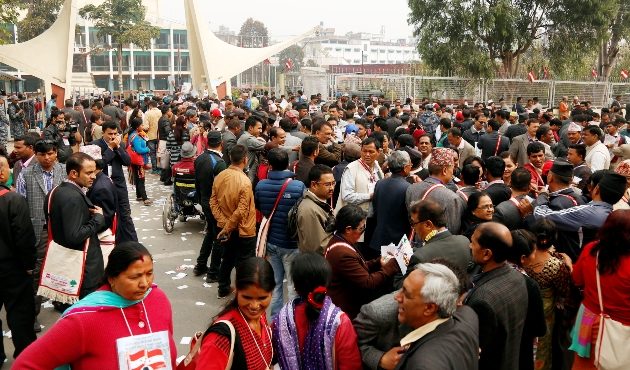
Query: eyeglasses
x,y
328,184
360,228
414,223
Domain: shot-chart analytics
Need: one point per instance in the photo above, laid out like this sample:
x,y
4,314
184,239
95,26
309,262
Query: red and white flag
x,y
143,359
594,73
267,61
531,76
288,64
625,74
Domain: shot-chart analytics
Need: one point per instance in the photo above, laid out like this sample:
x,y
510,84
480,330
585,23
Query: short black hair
x,y
286,124
580,149
309,145
455,131
238,153
109,125
252,121
374,139
75,162
29,138
494,124
495,166
44,146
349,215
594,130
278,159
535,147
471,174
428,210
520,179
316,172
542,130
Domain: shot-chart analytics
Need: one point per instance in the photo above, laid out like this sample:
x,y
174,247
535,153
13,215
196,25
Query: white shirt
x,y
597,157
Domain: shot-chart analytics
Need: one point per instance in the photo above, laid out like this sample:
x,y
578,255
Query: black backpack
x,y
292,220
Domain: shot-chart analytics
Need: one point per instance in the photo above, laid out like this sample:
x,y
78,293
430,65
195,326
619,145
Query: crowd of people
x,y
517,216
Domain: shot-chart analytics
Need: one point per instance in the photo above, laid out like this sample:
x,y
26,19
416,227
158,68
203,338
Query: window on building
x,y
95,40
160,82
182,63
180,40
102,82
164,41
125,61
347,49
337,49
356,50
100,62
161,61
142,61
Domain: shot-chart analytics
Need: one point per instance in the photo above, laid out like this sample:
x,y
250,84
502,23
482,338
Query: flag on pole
x,y
531,76
267,61
625,74
288,64
594,73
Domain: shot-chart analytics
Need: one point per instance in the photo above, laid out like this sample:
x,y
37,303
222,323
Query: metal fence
x,y
455,90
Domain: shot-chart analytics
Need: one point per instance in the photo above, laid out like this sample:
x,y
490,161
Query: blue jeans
x,y
280,259
152,144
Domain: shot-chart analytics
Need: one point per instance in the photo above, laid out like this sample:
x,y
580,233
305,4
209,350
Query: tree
x,y
253,34
295,53
8,15
618,29
486,37
124,21
39,17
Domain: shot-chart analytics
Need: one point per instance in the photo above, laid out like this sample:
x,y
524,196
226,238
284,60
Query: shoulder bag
x,y
261,240
190,361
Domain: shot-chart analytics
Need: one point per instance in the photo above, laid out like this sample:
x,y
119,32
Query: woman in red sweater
x,y
612,253
311,332
107,327
253,349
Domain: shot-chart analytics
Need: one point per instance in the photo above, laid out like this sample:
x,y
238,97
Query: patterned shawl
x,y
319,343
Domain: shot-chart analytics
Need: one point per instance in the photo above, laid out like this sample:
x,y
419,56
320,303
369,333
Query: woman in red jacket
x,y
355,281
253,349
612,254
311,332
94,332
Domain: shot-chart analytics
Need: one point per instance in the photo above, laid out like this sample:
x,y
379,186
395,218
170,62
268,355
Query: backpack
x,y
292,220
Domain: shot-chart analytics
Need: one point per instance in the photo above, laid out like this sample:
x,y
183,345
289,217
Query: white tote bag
x,y
261,239
612,349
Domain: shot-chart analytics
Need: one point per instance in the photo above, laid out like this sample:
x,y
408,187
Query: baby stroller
x,y
182,203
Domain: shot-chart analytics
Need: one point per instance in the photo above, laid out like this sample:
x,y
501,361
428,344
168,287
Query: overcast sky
x,y
283,20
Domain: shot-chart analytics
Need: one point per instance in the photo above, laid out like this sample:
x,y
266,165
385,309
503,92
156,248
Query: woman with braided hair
x,y
311,332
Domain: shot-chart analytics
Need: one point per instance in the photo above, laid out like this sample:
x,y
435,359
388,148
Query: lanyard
x,y
496,149
145,315
365,166
426,193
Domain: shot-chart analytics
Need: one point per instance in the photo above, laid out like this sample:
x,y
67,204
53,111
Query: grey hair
x,y
398,160
441,287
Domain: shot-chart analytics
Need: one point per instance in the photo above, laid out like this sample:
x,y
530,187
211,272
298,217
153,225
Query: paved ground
x,y
194,302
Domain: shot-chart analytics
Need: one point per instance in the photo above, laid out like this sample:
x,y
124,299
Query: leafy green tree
x,y
124,21
617,30
39,17
253,34
483,38
8,15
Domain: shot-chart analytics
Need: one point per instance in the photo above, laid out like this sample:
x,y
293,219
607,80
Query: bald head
x,y
496,237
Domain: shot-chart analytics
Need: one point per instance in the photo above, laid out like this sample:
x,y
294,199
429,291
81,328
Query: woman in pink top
x,y
93,332
612,251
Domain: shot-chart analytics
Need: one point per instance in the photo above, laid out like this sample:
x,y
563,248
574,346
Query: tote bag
x,y
261,240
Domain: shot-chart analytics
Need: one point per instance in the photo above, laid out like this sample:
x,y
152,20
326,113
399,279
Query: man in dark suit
x,y
75,220
208,165
103,191
115,157
443,336
493,143
499,297
429,222
17,261
507,212
496,189
388,203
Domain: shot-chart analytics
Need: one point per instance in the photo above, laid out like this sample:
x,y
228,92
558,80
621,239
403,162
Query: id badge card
x,y
145,351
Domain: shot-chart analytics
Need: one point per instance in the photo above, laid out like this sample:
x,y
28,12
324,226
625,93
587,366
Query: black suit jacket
x,y
390,211
498,192
115,158
453,345
103,194
72,224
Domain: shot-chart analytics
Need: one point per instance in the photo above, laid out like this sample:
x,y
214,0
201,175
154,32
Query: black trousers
x,y
210,247
235,250
141,192
17,297
126,230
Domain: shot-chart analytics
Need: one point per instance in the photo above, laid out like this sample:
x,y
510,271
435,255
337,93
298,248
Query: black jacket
x,y
164,127
390,211
72,224
207,166
114,158
498,192
17,237
103,194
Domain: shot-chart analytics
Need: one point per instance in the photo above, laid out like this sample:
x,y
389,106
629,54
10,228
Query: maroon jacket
x,y
356,282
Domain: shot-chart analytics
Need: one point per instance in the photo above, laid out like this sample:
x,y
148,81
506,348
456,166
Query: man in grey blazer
x,y
230,136
465,150
34,183
518,148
